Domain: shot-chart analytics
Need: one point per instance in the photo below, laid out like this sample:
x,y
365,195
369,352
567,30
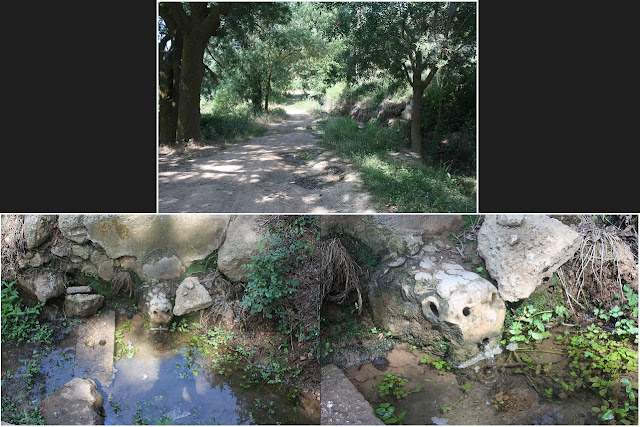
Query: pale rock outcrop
x,y
413,297
37,229
522,250
243,236
190,297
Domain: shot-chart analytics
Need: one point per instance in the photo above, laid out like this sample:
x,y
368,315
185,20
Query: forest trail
x,y
284,171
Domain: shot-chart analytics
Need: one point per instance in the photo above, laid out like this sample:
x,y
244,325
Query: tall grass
x,y
225,123
408,187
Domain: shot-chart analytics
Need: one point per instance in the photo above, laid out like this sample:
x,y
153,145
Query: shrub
x,y
19,322
269,283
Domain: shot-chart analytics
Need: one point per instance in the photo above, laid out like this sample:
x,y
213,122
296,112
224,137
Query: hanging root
x,y
122,281
339,274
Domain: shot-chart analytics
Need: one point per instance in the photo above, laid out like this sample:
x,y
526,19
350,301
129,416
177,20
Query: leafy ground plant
x,y
19,322
393,385
602,356
387,413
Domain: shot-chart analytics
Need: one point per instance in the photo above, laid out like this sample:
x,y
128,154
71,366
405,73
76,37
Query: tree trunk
x,y
266,96
419,86
169,80
416,105
416,119
188,125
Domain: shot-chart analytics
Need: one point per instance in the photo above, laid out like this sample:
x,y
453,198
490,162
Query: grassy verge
x,y
407,187
222,125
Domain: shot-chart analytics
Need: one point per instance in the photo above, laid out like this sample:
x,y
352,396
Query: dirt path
x,y
263,174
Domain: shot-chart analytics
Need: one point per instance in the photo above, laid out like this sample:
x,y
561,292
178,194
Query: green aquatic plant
x,y
387,413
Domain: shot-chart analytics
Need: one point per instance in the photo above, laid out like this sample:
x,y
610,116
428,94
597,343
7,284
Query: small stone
x,y
189,285
102,342
79,290
514,239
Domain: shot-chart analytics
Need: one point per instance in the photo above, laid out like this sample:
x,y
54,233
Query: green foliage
x,y
437,362
183,325
218,124
344,135
387,413
392,385
205,266
601,356
278,254
13,414
408,187
19,322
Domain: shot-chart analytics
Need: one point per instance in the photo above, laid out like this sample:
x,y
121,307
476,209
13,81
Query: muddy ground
x,y
282,171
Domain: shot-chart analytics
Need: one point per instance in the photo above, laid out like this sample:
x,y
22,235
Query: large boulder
x,y
78,402
412,297
188,237
37,229
42,283
190,297
243,236
522,250
82,305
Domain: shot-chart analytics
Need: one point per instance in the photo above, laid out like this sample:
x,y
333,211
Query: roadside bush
x,y
343,135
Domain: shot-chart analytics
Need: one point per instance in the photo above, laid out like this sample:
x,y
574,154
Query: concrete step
x,y
95,347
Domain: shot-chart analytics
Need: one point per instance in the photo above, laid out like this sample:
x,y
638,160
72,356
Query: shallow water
x,y
162,383
440,398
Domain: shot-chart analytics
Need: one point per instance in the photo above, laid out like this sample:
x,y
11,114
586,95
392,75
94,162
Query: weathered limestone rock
x,y
42,283
127,262
82,305
78,402
384,234
461,305
164,268
72,227
106,270
37,229
190,237
243,235
520,251
191,296
33,259
82,251
341,403
153,301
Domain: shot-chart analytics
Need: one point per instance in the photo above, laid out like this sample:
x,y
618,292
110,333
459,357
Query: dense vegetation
x,y
222,65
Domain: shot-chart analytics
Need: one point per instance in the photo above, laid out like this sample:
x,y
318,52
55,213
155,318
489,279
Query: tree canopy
x,y
249,52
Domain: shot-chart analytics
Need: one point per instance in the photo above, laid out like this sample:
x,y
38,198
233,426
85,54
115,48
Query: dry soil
x,y
284,171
